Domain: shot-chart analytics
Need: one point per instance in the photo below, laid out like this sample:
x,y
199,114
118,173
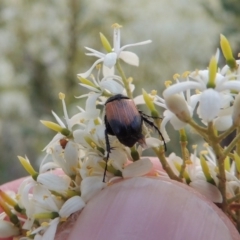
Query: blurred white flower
x,y
110,59
7,229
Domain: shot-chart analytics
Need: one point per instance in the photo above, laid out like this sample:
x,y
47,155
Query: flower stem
x,y
160,154
237,142
201,130
220,157
184,150
124,78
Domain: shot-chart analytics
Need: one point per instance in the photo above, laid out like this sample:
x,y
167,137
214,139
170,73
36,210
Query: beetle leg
x,y
156,128
108,153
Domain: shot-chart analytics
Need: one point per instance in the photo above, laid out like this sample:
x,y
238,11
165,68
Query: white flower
x,y
232,182
110,59
197,179
39,200
66,158
211,100
48,231
92,139
35,199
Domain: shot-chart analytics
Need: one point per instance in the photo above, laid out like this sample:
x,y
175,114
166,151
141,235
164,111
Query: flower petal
x,y
135,44
88,72
112,86
110,59
180,87
230,85
153,142
91,186
107,71
51,230
176,123
7,229
54,182
71,155
129,57
210,104
138,168
94,53
223,123
208,190
72,205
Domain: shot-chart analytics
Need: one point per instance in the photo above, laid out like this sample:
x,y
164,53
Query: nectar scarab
x,y
124,120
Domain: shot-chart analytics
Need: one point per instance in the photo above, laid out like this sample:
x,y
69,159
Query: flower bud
x,y
56,127
206,170
28,167
149,102
177,104
86,81
212,73
227,52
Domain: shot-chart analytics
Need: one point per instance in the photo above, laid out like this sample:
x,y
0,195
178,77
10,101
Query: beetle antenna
x,y
146,120
148,116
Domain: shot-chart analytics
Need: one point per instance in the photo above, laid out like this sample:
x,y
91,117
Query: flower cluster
x,y
76,158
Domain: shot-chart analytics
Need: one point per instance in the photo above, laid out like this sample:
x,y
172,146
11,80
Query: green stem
x,y
201,130
237,141
160,154
220,157
184,150
124,78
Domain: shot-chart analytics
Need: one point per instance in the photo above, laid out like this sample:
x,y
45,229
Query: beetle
x,y
123,120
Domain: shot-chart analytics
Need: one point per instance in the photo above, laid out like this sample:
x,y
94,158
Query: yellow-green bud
x,y
205,169
52,125
212,73
149,102
28,167
227,52
105,43
86,81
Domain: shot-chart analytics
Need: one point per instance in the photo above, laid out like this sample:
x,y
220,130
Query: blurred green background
x,y
42,50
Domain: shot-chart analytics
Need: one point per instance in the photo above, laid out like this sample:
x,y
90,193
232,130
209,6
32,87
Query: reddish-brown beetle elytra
x,y
124,120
